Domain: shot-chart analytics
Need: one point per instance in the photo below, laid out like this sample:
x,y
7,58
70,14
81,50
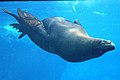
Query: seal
x,y
60,36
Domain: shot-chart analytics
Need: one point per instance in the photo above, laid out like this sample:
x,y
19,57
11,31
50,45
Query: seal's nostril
x,y
110,42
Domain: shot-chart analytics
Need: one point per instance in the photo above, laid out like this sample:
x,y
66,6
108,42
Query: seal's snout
x,y
105,46
108,44
112,45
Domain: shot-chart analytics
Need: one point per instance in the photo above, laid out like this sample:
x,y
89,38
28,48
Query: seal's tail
x,y
16,25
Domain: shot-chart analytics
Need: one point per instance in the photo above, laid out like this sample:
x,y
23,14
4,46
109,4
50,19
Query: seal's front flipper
x,y
19,27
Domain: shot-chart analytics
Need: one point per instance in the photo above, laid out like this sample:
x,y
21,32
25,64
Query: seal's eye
x,y
99,42
103,41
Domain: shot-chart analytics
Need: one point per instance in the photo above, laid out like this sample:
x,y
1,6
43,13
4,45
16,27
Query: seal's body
x,y
62,37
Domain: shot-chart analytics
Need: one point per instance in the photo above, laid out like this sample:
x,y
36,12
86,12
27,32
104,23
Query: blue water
x,y
23,60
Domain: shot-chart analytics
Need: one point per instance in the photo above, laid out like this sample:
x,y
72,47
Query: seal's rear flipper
x,y
19,27
10,13
27,23
23,34
29,19
34,23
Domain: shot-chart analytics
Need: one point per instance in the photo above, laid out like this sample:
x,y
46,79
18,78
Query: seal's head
x,y
104,46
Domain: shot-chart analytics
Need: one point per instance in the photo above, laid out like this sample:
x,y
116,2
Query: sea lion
x,y
60,36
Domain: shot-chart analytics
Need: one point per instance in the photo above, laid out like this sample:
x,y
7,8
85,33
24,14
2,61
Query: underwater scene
x,y
22,59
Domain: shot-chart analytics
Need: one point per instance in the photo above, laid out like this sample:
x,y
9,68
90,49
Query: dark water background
x,y
23,60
